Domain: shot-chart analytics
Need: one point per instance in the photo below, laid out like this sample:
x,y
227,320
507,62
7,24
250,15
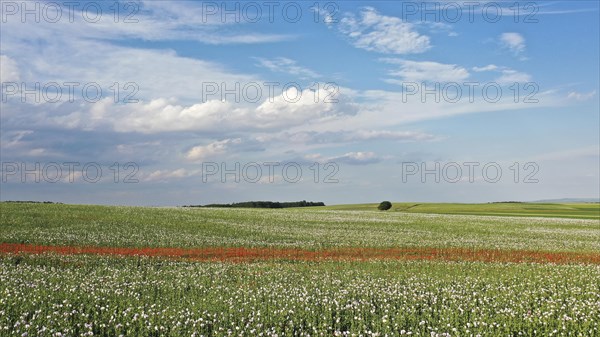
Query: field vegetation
x,y
73,270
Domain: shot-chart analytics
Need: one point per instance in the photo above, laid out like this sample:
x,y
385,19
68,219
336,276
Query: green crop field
x,y
562,210
52,294
310,228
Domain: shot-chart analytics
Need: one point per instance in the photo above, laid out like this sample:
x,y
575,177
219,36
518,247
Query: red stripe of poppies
x,y
253,254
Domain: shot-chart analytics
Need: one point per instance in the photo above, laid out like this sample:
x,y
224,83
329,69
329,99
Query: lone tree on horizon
x,y
384,206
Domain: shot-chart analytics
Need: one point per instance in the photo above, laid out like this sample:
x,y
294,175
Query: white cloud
x,y
427,71
515,42
9,70
165,175
286,65
329,17
137,147
85,52
153,21
579,96
14,139
357,158
346,136
157,73
391,135
202,152
350,158
283,112
507,75
489,67
161,116
384,34
213,116
510,76
439,27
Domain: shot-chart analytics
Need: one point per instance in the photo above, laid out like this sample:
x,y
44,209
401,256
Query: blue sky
x,y
360,119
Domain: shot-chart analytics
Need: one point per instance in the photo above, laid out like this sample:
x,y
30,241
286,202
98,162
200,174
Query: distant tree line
x,y
264,204
30,202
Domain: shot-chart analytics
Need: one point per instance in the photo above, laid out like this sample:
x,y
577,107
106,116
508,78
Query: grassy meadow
x,y
554,210
49,294
308,228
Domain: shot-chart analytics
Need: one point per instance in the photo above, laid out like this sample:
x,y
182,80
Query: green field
x,y
308,228
561,210
91,295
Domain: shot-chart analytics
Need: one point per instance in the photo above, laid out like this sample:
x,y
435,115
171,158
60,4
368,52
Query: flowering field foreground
x,y
82,295
244,254
68,270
